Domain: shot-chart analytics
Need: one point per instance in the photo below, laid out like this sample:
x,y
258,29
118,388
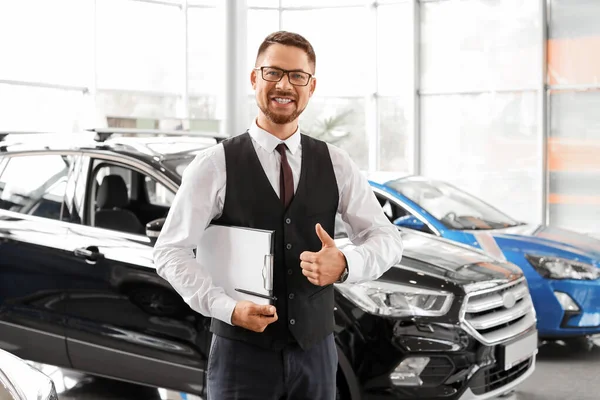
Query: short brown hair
x,y
289,39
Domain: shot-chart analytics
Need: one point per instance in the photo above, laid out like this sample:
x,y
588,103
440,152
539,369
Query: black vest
x,y
305,311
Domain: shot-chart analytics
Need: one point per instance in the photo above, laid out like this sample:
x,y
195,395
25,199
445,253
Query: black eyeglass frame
x,y
284,73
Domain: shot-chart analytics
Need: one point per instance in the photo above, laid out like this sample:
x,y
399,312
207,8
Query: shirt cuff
x,y
356,264
222,308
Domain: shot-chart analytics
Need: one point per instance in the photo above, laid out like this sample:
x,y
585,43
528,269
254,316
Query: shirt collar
x,y
269,142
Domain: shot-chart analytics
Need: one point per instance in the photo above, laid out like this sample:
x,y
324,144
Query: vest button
x,y
288,246
290,271
291,296
288,221
292,321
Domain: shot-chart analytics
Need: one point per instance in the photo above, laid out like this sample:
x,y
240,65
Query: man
x,y
273,177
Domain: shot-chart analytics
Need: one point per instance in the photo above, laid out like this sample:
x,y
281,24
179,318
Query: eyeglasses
x,y
274,74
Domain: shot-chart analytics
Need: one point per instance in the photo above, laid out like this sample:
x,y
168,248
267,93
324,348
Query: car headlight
x,y
396,300
21,381
560,268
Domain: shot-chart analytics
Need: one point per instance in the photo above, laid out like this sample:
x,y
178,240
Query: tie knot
x,y
281,149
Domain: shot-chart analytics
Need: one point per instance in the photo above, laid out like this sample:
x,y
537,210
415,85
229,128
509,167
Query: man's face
x,y
281,102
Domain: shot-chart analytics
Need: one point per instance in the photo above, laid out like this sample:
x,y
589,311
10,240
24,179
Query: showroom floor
x,y
564,372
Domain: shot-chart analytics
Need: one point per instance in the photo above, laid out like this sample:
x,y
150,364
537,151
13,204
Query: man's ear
x,y
313,86
253,79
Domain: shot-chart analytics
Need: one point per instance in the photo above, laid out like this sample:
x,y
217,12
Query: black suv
x,y
78,289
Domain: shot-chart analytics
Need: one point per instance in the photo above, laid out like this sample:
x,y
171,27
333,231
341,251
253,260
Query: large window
x,y
340,121
47,41
479,103
573,162
76,64
139,46
573,166
486,144
394,69
478,45
451,89
395,152
574,43
206,41
39,108
35,191
137,106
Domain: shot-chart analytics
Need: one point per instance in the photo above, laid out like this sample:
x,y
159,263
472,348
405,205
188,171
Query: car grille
x,y
498,314
496,377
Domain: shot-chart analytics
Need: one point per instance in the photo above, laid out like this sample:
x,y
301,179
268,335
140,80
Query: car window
x,y
123,172
157,193
35,184
454,208
73,208
391,210
124,199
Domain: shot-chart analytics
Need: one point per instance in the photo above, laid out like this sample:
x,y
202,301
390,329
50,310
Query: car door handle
x,y
91,254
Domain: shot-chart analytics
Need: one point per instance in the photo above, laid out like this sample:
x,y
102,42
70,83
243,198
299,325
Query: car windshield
x,y
453,207
179,164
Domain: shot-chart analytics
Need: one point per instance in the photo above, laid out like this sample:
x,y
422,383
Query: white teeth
x,y
282,101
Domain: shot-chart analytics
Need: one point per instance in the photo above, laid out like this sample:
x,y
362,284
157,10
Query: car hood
x,y
530,238
451,261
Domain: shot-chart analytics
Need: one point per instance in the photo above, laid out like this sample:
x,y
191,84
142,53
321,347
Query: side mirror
x,y
153,229
410,222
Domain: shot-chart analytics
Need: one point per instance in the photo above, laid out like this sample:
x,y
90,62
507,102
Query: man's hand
x,y
252,316
326,266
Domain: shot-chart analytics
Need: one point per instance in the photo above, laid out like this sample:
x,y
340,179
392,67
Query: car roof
x,y
142,143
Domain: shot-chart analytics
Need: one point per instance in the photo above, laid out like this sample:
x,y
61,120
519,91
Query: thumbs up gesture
x,y
326,266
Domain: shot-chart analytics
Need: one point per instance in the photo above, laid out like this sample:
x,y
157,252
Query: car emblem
x,y
509,300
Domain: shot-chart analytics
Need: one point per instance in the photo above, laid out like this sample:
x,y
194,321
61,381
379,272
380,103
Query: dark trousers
x,y
238,370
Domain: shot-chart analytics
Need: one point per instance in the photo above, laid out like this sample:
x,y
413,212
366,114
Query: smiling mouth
x,y
282,100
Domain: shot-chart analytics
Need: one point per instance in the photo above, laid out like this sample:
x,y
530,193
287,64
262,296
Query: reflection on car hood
x,y
458,262
451,261
548,239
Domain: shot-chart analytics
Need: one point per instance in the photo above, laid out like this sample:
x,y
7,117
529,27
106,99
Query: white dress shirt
x,y
376,243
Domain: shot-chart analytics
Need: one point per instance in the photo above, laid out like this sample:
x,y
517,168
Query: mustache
x,y
282,93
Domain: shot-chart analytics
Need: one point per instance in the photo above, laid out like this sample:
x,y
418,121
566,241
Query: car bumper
x,y
510,380
467,370
485,384
508,387
555,321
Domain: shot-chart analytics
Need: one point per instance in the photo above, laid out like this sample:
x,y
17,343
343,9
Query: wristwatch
x,y
343,276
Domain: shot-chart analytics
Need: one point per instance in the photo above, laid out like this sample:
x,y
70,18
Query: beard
x,y
280,119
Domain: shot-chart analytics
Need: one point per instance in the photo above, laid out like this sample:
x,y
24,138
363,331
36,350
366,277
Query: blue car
x,y
560,266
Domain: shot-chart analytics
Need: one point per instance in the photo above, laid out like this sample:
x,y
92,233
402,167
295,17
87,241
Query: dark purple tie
x,y
286,179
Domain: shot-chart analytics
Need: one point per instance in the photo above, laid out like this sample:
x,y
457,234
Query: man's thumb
x,y
324,236
267,310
